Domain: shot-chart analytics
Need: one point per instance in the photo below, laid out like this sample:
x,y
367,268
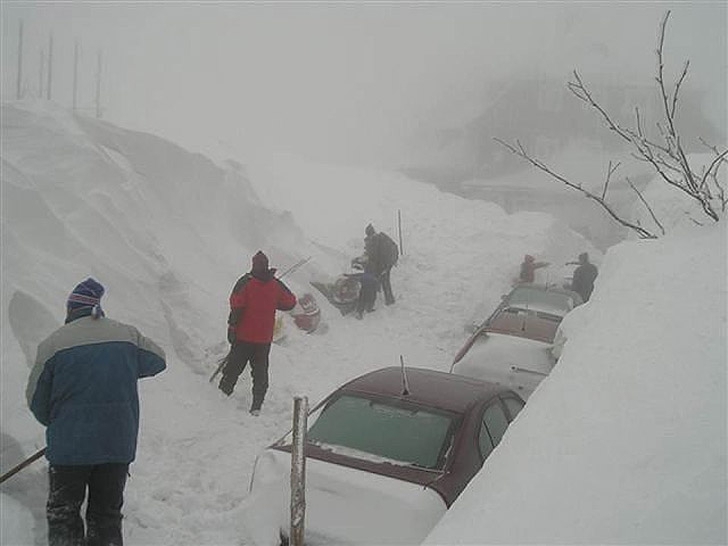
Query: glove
x,y
231,335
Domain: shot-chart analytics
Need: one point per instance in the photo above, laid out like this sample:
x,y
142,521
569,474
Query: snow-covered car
x,y
512,348
541,298
386,455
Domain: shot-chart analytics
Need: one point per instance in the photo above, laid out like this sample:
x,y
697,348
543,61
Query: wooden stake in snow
x,y
399,230
298,470
19,89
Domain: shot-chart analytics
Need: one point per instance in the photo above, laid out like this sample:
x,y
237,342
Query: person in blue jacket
x,y
83,389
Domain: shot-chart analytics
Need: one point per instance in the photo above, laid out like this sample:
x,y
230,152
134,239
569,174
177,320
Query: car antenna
x,y
405,385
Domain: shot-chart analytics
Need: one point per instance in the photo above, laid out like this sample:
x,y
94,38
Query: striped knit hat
x,y
87,294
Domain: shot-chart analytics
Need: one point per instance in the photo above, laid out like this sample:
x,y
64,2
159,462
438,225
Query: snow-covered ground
x,y
624,443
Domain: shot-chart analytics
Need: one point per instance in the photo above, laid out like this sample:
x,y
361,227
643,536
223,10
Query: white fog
x,y
228,127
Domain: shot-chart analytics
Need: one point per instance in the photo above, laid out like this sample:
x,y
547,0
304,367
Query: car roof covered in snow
x,y
445,391
546,298
523,323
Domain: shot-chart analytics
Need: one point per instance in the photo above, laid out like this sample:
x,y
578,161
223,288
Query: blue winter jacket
x,y
83,388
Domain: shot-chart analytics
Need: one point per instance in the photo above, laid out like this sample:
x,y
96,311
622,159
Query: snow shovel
x,y
27,462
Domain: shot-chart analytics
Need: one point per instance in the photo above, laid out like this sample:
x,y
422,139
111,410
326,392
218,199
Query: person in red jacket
x,y
253,304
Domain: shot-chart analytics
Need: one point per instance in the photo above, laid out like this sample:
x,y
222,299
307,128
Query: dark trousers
x,y
368,286
387,286
67,491
243,352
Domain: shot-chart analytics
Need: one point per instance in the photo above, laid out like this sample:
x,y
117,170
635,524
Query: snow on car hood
x,y
518,363
345,505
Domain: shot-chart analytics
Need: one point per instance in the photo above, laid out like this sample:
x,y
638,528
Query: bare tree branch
x,y
610,171
711,174
673,109
646,204
666,156
521,152
691,185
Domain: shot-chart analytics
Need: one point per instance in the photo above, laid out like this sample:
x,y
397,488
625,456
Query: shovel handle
x,y
30,460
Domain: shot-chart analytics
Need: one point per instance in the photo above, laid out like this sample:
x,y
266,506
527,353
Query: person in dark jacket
x,y
83,388
368,286
253,304
584,277
528,269
382,253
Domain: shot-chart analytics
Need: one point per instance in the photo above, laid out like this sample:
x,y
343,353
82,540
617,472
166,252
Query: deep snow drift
x,y
168,232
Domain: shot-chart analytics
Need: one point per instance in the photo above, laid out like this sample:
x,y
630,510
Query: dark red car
x,y
387,454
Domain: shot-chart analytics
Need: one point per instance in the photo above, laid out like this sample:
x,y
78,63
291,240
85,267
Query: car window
x,y
514,406
527,297
386,428
485,442
496,422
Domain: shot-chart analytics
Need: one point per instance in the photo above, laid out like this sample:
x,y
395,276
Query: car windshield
x,y
396,431
541,299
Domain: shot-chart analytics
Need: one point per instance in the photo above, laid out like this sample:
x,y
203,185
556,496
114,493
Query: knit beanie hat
x,y
87,294
260,262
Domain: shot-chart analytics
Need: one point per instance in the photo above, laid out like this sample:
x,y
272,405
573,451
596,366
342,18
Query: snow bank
x,y
168,232
632,419
625,442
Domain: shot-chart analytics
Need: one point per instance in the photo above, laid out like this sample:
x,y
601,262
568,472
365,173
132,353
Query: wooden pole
x,y
298,470
49,78
98,86
40,73
399,230
75,75
19,90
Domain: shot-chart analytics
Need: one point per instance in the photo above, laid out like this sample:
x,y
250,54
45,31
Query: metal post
x,y
399,229
75,75
98,86
19,92
49,79
298,470
40,73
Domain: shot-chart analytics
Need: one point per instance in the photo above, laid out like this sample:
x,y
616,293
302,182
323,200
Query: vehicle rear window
x,y
405,433
526,297
514,406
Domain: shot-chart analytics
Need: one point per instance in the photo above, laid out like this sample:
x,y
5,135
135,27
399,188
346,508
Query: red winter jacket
x,y
253,305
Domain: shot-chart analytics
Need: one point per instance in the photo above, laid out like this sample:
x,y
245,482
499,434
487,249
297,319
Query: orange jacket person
x,y
529,267
253,304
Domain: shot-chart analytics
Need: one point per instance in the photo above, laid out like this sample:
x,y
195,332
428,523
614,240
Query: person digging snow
x,y
382,254
528,269
253,303
83,389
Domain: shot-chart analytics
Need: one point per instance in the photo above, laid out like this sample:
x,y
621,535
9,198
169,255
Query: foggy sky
x,y
343,82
